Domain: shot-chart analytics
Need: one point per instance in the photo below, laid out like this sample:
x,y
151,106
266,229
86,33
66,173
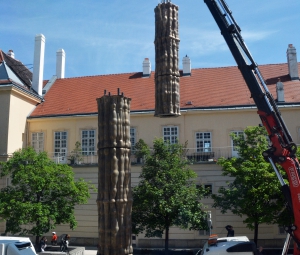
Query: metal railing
x,y
194,155
74,159
212,154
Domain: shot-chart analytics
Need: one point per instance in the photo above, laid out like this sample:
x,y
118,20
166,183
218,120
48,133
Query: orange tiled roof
x,y
206,87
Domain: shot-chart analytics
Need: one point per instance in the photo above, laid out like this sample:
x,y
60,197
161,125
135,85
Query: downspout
x,y
27,132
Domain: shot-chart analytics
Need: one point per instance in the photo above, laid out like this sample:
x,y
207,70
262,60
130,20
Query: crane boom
x,y
282,149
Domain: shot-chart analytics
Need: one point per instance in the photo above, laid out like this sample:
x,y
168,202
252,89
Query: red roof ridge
x,y
215,67
221,67
99,75
277,64
130,73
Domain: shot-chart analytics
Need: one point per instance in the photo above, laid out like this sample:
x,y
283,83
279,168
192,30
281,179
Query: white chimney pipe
x,y
280,91
60,63
186,66
146,67
38,63
292,62
11,53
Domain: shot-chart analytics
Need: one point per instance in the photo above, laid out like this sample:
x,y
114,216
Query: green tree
x,y
166,194
255,191
41,195
298,153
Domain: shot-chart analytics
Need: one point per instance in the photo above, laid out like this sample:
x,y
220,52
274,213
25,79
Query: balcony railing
x,y
78,159
194,155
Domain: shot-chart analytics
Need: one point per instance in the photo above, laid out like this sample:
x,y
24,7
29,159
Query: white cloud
x,y
258,35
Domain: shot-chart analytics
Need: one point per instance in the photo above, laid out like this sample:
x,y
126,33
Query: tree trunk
x,y
167,241
37,242
255,233
37,237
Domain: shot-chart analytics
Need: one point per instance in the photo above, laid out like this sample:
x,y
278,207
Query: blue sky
x,y
114,36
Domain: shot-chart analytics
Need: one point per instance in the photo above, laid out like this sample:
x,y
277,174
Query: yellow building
x,y
214,103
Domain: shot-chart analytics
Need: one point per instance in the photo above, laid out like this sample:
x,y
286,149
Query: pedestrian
x,y
65,243
230,231
54,238
260,248
43,243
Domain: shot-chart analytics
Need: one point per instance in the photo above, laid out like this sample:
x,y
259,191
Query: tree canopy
x,y
166,194
254,191
40,194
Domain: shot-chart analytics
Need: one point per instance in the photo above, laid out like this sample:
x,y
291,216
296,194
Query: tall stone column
x,y
166,42
114,176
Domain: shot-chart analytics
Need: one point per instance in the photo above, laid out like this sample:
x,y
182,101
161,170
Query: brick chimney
x,y
292,62
38,63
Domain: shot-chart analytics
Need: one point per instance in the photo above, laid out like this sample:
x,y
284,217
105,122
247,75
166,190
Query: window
x,y
60,145
37,141
132,138
203,232
233,143
238,134
203,141
88,142
8,181
208,188
281,230
170,134
209,222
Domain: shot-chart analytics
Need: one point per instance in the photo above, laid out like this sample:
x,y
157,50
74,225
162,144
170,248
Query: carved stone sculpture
x,y
167,97
114,176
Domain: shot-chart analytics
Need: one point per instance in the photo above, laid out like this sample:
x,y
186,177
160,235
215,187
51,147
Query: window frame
x,y
90,149
281,230
205,186
237,133
60,152
173,139
38,147
132,138
234,151
203,140
204,232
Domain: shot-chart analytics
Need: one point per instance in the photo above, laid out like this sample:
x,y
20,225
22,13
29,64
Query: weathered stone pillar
x,y
114,177
166,42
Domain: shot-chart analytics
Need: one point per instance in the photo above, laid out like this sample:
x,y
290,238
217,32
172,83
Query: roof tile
x,y
206,87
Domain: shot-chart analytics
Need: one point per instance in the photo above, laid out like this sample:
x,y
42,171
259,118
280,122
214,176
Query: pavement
x,y
90,250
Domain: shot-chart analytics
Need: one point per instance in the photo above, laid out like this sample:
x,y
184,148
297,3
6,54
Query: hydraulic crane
x,y
282,149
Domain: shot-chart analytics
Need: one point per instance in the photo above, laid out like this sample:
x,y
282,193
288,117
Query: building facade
x,y
214,103
52,115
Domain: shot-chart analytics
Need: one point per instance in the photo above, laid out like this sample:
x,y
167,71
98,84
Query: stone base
x,y
54,250
162,251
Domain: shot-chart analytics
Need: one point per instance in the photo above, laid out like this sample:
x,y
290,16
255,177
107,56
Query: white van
x,y
229,245
16,246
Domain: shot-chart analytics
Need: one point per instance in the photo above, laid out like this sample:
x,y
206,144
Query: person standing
x,y
230,231
43,243
260,249
54,238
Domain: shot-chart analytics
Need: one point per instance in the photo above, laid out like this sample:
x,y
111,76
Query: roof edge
x,y
214,108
